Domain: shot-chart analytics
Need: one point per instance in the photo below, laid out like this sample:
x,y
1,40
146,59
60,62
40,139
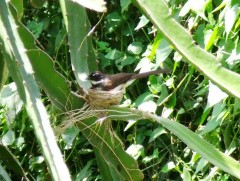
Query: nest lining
x,y
104,99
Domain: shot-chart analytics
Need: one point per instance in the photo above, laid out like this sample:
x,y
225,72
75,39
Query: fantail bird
x,y
118,81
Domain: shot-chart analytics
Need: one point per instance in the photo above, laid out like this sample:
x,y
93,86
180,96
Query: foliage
x,y
125,40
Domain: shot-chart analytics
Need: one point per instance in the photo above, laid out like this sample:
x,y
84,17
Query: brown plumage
x,y
108,82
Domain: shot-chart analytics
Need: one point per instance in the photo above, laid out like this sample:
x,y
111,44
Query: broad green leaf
x,y
82,54
199,35
124,4
8,138
215,95
143,22
54,84
144,65
234,58
135,151
124,61
96,5
186,176
198,6
230,17
19,7
146,96
114,163
202,147
69,136
156,133
10,98
194,141
114,54
163,51
148,106
135,48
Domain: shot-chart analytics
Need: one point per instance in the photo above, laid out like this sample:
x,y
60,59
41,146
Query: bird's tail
x,y
146,74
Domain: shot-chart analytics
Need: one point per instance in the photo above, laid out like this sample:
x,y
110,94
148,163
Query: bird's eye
x,y
96,76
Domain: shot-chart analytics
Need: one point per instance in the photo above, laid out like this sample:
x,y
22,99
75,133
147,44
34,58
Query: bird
x,y
116,82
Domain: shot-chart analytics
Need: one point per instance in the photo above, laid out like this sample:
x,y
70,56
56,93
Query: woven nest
x,y
104,99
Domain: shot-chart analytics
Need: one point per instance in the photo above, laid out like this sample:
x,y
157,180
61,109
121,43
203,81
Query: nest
x,y
103,99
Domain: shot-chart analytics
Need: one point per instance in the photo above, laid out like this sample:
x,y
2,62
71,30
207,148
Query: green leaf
x,y
163,51
198,6
82,54
135,48
86,172
3,71
135,151
124,4
114,54
146,96
114,163
96,5
8,138
186,176
156,133
10,161
148,159
230,17
3,174
194,141
54,84
169,166
215,95
69,136
10,98
143,22
124,61
218,115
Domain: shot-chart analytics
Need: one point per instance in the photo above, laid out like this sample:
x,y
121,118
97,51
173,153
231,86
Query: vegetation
x,y
178,126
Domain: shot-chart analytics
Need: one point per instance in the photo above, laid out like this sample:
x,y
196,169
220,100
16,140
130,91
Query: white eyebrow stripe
x,y
96,82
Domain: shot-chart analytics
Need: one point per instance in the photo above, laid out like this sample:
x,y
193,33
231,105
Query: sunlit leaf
x,y
96,5
230,17
135,151
9,97
148,106
143,22
8,138
215,95
135,48
169,166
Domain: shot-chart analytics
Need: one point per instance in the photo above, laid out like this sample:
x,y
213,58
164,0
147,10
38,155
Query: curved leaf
x,y
194,141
